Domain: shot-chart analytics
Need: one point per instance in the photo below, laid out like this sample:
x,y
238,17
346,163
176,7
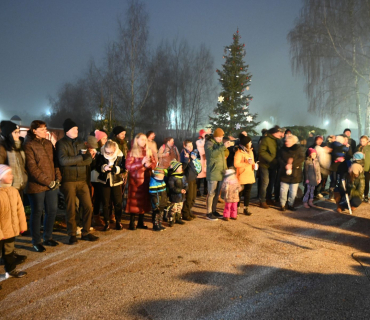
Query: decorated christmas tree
x,y
232,113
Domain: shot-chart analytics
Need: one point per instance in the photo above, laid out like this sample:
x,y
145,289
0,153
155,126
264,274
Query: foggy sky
x,y
46,43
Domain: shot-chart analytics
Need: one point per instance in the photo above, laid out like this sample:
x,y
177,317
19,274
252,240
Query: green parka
x,y
267,151
215,157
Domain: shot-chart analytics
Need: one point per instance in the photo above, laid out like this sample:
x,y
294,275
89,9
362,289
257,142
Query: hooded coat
x,y
12,216
138,200
244,170
267,151
216,160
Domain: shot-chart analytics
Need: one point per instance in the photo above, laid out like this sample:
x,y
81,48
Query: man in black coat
x,y
73,159
351,141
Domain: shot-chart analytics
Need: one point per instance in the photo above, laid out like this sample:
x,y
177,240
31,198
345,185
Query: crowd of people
x,y
104,177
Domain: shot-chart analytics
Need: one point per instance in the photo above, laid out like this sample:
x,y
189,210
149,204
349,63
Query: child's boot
x,y
160,220
306,205
310,203
156,221
179,219
140,222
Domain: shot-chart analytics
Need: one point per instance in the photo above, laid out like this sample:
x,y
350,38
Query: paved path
x,y
270,265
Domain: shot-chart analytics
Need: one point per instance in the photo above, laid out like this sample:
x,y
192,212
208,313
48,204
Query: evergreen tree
x,y
232,113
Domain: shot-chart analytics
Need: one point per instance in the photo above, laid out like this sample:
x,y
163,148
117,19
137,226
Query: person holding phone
x,y
139,163
244,164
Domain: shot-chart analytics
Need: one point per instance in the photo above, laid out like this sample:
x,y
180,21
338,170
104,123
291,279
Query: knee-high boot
x,y
132,222
140,222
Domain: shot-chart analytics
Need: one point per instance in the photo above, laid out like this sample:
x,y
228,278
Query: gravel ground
x,y
271,265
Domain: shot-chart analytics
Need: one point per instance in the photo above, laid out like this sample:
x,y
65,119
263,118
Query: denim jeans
x,y
49,200
284,188
267,177
214,188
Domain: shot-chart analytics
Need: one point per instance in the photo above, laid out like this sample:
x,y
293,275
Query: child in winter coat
x,y
178,186
192,167
111,164
158,197
312,177
244,164
12,220
230,188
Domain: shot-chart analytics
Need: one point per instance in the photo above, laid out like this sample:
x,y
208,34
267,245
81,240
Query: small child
x,y
230,188
158,198
192,167
178,186
312,177
12,220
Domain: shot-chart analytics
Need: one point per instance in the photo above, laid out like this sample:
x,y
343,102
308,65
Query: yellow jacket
x,y
244,170
12,216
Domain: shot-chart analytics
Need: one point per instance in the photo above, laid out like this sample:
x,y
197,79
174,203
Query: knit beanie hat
x,y
92,142
158,170
218,133
117,130
356,168
195,152
201,132
7,127
358,156
275,129
68,124
3,170
174,165
244,140
311,151
100,135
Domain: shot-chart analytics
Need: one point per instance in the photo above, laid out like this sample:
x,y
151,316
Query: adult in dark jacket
x,y
73,159
12,154
291,157
43,183
268,164
351,141
216,166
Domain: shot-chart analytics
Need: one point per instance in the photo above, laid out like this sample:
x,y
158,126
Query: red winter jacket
x,y
138,200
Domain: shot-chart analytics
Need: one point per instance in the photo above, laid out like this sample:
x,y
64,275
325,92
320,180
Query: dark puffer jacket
x,y
40,164
177,182
267,151
297,154
71,163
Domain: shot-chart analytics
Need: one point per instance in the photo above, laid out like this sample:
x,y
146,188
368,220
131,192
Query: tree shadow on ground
x,y
261,292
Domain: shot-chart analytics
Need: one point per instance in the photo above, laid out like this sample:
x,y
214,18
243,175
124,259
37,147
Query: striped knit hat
x,y
174,165
3,170
158,171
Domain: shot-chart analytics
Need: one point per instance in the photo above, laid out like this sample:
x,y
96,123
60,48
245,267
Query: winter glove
x,y
114,170
86,156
